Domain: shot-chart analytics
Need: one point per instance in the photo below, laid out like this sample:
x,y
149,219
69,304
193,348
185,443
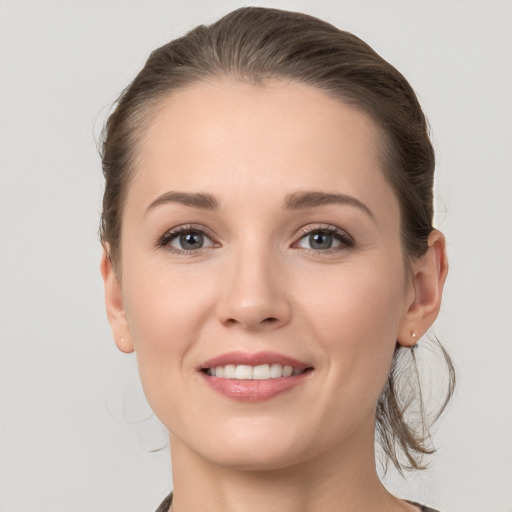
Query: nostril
x,y
266,321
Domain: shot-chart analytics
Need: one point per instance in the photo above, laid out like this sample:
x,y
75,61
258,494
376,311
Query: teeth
x,y
246,372
261,372
276,371
242,372
288,371
229,371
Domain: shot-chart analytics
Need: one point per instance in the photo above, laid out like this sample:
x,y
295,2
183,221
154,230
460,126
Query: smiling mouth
x,y
260,372
254,377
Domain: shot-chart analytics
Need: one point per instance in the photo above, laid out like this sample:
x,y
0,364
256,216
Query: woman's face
x,y
259,234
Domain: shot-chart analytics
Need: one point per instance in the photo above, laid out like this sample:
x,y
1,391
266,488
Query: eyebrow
x,y
195,200
299,200
295,201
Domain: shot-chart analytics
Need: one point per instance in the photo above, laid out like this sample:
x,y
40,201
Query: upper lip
x,y
256,359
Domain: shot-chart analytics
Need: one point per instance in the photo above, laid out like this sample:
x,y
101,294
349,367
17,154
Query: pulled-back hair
x,y
256,44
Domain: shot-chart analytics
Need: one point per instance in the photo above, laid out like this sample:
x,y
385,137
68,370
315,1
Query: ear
x,y
428,277
115,305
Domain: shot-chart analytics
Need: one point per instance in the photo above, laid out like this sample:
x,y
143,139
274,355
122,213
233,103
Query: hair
x,y
257,44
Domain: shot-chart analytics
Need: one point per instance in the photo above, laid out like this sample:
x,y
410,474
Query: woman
x,y
269,255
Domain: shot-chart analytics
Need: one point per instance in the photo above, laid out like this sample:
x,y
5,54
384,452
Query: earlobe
x,y
428,277
115,305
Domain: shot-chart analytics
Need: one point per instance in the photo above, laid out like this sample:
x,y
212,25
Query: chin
x,y
250,449
255,459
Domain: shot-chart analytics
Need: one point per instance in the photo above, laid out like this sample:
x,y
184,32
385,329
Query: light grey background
x,y
64,444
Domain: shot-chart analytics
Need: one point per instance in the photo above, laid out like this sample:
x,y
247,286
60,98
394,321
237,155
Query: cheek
x,y
166,310
356,315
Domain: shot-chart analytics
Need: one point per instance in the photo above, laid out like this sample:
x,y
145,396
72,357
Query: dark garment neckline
x,y
166,504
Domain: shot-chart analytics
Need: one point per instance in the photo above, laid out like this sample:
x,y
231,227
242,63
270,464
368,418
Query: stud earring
x,y
122,339
413,334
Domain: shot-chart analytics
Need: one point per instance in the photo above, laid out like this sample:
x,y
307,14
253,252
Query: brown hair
x,y
255,44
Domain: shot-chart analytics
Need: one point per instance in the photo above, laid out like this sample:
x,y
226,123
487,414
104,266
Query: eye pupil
x,y
320,240
191,240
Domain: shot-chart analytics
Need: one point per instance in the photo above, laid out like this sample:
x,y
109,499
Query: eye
x,y
185,239
188,241
325,239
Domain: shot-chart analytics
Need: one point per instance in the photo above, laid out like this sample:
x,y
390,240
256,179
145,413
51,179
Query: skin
x,y
258,284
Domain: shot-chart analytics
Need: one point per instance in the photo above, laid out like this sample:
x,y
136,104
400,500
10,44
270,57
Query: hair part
x,y
257,44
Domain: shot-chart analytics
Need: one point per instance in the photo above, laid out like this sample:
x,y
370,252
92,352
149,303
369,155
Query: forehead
x,y
228,136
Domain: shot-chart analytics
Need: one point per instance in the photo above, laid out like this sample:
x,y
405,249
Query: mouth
x,y
254,377
260,372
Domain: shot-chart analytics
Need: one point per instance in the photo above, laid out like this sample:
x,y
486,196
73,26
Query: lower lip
x,y
254,390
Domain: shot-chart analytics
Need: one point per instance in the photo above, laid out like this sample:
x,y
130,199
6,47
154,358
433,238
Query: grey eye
x,y
189,241
319,240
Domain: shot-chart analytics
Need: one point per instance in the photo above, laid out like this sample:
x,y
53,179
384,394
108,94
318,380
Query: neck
x,y
340,480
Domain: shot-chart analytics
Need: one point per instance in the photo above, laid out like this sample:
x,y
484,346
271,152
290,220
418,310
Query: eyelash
x,y
173,234
345,240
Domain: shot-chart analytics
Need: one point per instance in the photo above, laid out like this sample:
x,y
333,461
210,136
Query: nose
x,y
254,293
